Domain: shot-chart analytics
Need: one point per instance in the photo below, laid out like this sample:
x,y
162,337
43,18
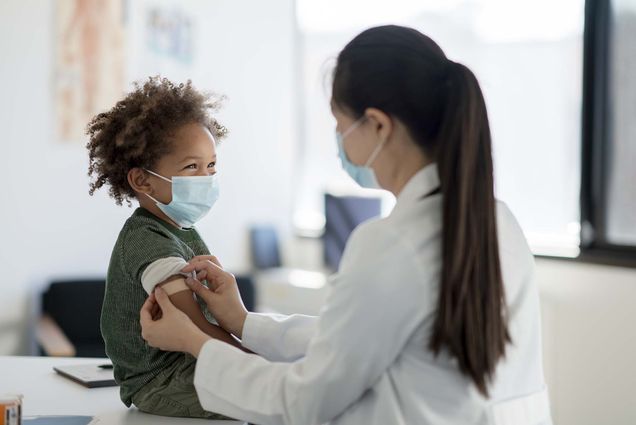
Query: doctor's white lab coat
x,y
365,360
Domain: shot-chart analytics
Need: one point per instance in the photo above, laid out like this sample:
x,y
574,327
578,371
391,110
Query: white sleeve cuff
x,y
278,337
255,332
160,270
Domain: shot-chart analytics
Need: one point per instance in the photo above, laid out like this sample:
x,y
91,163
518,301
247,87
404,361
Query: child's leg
x,y
172,393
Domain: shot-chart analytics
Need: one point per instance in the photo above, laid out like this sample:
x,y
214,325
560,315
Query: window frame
x,y
596,141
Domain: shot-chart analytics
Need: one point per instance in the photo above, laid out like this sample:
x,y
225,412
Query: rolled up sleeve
x,y
278,337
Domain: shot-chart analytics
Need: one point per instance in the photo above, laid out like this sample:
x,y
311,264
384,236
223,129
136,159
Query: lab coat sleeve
x,y
367,320
278,337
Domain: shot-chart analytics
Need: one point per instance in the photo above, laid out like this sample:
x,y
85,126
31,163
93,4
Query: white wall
x,y
53,228
589,342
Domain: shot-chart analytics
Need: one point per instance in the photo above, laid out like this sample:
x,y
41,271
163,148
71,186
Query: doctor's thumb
x,y
163,300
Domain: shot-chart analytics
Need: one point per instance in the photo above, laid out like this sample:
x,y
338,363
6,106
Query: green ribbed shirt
x,y
144,239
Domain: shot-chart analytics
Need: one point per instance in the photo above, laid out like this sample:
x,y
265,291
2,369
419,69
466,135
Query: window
x,y
527,56
621,220
609,132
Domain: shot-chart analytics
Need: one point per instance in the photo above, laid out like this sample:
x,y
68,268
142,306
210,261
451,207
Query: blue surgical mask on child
x,y
192,198
361,174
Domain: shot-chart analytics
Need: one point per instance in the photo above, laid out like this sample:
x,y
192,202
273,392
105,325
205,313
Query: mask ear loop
x,y
158,175
161,177
156,202
353,127
375,153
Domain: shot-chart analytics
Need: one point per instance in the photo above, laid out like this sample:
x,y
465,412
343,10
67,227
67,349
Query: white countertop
x,y
47,393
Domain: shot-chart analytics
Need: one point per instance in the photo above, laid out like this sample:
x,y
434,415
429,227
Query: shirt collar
x,y
421,184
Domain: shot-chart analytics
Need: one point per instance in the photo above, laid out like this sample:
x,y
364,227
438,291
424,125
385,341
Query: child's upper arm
x,y
150,254
164,271
183,298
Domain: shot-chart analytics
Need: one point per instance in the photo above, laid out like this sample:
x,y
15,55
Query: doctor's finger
x,y
199,258
145,314
198,288
163,300
211,269
205,259
155,312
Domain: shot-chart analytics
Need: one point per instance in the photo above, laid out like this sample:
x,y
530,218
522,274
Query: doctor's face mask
x,y
361,174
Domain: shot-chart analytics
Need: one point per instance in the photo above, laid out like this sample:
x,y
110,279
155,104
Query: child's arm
x,y
183,298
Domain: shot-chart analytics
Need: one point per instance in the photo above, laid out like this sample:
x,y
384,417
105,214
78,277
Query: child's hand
x,y
222,297
172,330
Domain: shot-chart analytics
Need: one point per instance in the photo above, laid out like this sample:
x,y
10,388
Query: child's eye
x,y
190,167
212,165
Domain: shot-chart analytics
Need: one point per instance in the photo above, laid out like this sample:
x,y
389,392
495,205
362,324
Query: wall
x,y
53,228
589,342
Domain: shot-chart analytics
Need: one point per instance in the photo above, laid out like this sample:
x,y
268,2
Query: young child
x,y
156,146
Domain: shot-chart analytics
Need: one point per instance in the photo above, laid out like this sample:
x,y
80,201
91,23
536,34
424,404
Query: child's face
x,y
193,154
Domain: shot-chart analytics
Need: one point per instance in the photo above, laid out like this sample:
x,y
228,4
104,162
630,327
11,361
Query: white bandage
x,y
160,270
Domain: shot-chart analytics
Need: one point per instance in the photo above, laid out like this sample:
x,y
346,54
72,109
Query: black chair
x,y
69,321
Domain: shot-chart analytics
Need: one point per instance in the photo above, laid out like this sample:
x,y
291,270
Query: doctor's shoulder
x,y
369,243
512,240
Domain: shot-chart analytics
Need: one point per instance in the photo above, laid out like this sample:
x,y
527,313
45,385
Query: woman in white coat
x,y
433,316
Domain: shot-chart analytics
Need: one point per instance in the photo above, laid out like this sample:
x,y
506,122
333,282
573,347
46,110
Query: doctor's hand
x,y
172,330
222,296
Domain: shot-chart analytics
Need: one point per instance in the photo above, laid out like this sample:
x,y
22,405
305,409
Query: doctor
x,y
433,316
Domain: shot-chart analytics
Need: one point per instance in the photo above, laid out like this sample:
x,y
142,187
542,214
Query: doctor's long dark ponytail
x,y
405,74
470,320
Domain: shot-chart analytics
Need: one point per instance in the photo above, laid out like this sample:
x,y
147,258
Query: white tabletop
x,y
47,393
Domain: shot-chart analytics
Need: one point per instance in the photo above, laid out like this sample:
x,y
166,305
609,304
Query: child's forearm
x,y
221,334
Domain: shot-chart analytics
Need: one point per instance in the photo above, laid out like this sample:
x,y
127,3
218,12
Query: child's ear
x,y
138,180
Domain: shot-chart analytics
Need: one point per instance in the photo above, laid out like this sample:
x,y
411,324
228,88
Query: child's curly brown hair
x,y
136,132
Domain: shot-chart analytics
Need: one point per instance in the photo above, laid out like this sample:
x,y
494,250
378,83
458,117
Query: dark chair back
x,y
247,290
76,306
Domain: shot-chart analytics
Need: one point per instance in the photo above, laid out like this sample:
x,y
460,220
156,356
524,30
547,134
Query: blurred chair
x,y
265,247
342,215
282,289
69,320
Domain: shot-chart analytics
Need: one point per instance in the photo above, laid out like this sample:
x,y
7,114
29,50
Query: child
x,y
156,146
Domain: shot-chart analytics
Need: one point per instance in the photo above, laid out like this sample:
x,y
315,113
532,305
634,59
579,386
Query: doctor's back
x,y
424,386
